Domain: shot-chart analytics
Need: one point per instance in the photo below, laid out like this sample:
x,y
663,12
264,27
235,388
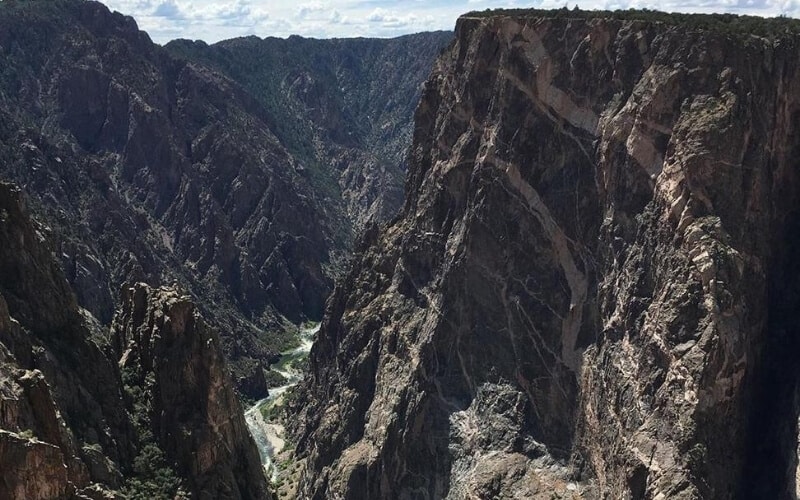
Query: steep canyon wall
x,y
590,289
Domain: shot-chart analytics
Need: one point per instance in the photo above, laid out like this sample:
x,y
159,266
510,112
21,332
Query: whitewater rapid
x,y
268,435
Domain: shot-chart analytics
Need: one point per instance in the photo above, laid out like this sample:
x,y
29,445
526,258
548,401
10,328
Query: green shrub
x,y
152,476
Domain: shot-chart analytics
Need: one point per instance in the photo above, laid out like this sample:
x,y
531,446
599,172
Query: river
x,y
269,436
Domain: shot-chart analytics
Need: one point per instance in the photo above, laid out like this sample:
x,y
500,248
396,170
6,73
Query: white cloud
x,y
168,9
210,20
391,19
310,9
214,20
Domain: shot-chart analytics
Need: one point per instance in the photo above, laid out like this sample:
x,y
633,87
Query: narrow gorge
x,y
263,416
234,181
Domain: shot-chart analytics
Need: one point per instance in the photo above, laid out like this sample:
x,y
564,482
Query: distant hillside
x,y
344,107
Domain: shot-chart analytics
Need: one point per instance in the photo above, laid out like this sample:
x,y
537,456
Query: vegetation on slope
x,y
729,24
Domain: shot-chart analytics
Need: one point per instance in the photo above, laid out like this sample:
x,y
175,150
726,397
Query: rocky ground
x,y
590,291
344,107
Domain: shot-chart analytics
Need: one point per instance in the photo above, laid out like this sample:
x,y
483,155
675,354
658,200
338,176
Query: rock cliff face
x,y
60,396
192,408
66,425
158,169
589,291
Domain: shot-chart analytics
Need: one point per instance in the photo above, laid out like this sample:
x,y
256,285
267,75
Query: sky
x,y
214,20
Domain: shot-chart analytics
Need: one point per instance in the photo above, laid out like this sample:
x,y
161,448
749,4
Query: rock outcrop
x,y
194,412
589,290
70,425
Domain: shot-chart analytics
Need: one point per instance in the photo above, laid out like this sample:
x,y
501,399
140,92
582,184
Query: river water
x,y
269,436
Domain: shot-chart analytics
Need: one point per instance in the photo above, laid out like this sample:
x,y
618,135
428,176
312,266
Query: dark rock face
x,y
66,428
59,390
588,289
195,413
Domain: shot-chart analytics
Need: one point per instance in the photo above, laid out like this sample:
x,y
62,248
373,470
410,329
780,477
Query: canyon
x,y
214,283
157,165
168,227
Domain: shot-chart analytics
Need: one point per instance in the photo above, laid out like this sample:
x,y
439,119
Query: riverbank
x,y
267,431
